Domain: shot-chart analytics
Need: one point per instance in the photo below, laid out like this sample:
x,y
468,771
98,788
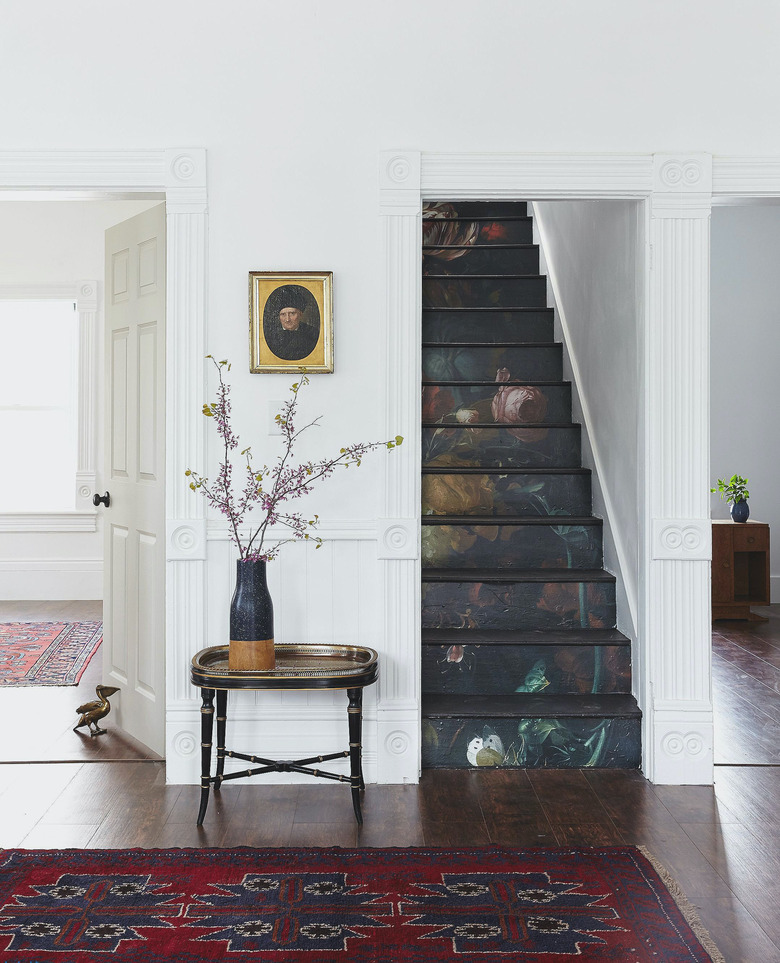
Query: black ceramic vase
x,y
251,619
740,511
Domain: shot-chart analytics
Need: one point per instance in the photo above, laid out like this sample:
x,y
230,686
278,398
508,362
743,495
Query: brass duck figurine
x,y
92,711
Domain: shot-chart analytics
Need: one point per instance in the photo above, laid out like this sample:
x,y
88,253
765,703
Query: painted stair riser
x,y
463,261
509,403
531,743
524,606
510,494
479,230
545,669
475,292
525,362
483,209
460,446
516,547
488,326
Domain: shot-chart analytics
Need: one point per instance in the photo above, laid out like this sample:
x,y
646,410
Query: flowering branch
x,y
268,489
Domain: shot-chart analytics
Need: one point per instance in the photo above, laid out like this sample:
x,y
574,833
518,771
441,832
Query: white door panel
x,y
134,618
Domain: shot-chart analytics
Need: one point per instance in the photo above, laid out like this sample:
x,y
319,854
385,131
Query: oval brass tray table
x,y
298,666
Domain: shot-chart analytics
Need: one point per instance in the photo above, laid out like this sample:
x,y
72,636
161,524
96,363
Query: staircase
x,y
522,665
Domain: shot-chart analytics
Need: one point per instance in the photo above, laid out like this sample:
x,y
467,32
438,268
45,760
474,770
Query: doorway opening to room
x,y
745,420
65,440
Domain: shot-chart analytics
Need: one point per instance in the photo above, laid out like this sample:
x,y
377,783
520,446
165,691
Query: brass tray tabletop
x,y
299,665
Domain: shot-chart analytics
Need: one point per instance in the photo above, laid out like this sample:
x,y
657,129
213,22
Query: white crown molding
x,y
105,170
746,176
536,176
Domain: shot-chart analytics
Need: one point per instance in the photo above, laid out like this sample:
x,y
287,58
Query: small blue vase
x,y
740,511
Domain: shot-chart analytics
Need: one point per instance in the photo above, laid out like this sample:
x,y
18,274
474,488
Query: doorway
x,y
51,551
744,347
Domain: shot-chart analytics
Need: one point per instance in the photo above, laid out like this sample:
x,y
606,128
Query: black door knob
x,y
105,499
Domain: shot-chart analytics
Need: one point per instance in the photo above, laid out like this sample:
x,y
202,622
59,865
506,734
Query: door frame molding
x,y
672,657
178,175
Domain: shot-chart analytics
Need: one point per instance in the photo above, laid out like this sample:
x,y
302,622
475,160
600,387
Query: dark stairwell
x,y
522,665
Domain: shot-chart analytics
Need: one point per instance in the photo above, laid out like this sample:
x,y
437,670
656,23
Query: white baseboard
x,y
51,579
774,588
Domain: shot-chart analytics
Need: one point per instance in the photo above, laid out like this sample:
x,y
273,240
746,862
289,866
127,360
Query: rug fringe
x,y
685,906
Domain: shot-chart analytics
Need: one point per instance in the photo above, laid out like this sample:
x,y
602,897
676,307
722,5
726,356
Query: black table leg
x,y
206,729
221,720
355,713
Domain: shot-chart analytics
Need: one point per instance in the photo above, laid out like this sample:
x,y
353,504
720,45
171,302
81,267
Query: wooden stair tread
x,y
484,277
547,575
479,470
530,705
477,309
492,344
527,246
512,520
578,637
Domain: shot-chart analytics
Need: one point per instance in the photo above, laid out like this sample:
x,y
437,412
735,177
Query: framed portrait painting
x,y
290,321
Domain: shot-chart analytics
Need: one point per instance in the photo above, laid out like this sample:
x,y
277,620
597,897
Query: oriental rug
x,y
356,905
46,653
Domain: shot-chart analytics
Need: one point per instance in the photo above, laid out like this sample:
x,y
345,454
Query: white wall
x,y
594,251
50,243
745,352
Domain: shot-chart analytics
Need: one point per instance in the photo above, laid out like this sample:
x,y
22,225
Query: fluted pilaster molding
x,y
186,207
677,640
398,709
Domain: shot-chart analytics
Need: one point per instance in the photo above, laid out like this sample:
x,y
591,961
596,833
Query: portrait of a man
x,y
290,321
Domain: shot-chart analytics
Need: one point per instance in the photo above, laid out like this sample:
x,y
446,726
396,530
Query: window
x,y
38,404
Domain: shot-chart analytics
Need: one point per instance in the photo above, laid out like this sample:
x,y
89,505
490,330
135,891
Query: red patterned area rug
x,y
46,653
356,905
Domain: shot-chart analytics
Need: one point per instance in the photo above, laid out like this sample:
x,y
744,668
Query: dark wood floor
x,y
722,843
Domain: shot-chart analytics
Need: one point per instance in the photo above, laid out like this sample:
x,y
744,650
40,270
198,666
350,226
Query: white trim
x,y
685,177
49,521
774,588
541,176
49,564
51,578
398,708
627,575
180,176
349,530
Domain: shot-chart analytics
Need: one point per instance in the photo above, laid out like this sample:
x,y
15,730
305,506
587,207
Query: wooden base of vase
x,y
257,654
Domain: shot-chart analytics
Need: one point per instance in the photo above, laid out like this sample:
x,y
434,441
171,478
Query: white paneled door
x,y
134,521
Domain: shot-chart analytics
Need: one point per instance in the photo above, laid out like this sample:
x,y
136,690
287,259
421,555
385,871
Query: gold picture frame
x,y
290,321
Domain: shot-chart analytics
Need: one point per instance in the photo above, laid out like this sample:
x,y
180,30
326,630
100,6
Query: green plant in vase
x,y
735,492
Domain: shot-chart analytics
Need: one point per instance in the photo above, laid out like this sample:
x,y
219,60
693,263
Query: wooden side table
x,y
740,568
298,666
